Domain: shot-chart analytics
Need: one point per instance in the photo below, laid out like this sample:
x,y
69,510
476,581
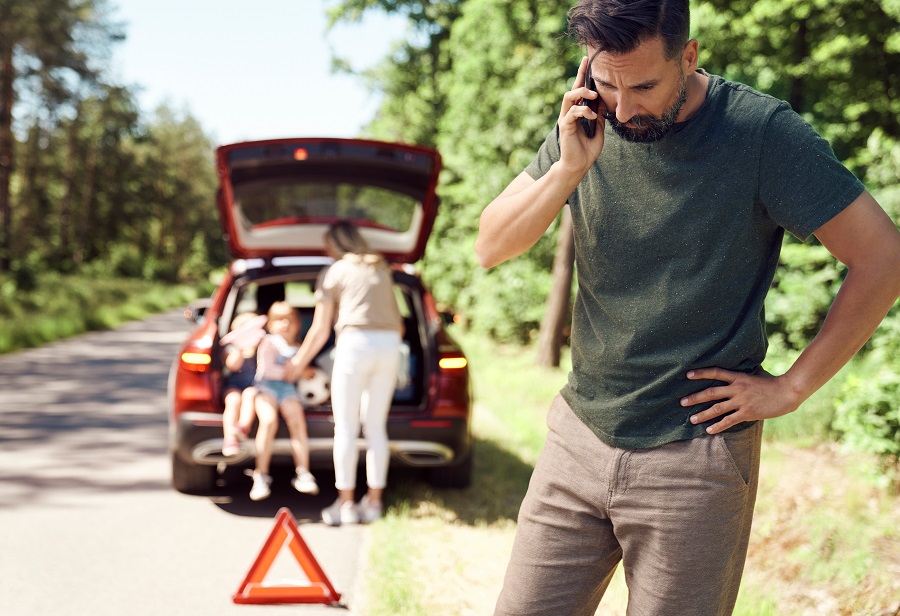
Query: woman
x,y
355,296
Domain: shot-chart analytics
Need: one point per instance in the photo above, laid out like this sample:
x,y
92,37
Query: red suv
x,y
276,199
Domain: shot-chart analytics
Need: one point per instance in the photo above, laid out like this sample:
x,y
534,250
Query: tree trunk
x,y
799,53
87,198
558,304
29,198
65,202
7,97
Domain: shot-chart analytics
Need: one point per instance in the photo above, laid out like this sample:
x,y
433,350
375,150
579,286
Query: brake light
x,y
196,362
452,386
301,154
453,363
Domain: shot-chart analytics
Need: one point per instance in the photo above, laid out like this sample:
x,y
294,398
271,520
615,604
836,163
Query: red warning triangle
x,y
255,590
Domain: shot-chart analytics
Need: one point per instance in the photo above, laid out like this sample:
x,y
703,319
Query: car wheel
x,y
192,478
457,476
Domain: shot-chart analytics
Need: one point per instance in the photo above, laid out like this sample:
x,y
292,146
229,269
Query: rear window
x,y
279,202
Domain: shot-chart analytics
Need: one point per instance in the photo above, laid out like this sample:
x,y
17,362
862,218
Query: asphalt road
x,y
89,523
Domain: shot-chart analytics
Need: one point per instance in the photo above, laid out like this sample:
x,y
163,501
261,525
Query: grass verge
x,y
64,306
824,541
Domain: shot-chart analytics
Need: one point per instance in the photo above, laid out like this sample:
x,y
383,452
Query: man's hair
x,y
619,26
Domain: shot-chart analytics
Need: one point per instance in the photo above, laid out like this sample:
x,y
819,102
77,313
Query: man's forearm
x,y
516,220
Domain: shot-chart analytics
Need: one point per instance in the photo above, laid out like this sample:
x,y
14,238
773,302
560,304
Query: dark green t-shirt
x,y
676,244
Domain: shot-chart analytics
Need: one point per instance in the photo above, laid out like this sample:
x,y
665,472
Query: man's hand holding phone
x,y
581,122
590,125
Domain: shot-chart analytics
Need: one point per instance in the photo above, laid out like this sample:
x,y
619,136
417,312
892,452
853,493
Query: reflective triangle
x,y
254,588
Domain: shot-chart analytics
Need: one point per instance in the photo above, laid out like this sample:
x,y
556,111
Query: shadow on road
x,y
87,414
232,495
499,481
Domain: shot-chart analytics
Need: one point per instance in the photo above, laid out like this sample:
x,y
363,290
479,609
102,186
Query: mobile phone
x,y
590,126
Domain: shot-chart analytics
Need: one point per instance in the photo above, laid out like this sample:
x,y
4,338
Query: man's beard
x,y
647,128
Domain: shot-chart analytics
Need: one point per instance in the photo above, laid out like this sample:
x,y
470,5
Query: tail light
x,y
195,381
197,356
452,399
452,362
196,362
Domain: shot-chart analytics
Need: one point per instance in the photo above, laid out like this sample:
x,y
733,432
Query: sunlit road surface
x,y
89,523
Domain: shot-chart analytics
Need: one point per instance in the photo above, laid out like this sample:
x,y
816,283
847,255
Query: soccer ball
x,y
315,390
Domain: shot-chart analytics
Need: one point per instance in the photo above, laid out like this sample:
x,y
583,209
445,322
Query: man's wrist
x,y
567,175
795,386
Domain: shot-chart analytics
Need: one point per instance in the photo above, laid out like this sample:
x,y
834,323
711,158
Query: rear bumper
x,y
197,439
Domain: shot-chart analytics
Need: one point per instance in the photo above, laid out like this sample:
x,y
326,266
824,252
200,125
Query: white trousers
x,y
362,386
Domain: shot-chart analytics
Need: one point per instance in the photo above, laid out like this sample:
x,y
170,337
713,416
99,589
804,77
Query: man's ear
x,y
689,56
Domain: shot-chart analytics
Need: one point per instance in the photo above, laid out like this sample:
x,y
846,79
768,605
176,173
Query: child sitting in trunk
x,y
274,395
240,370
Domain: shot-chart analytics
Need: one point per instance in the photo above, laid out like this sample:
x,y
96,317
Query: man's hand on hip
x,y
747,397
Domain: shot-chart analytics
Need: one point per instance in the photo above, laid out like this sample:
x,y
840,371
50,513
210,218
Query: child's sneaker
x,y
340,513
369,511
261,483
230,447
305,482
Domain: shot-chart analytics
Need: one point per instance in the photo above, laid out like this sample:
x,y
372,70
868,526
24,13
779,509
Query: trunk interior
x,y
257,293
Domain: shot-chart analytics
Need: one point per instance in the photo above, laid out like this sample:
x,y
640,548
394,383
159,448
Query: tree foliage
x,y
413,99
48,50
837,62
105,185
85,181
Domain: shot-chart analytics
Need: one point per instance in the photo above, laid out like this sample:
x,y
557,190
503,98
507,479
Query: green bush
x,y
867,414
805,284
162,270
61,306
868,417
25,271
518,296
197,264
126,260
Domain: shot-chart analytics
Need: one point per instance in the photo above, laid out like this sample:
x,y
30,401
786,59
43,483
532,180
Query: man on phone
x,y
679,202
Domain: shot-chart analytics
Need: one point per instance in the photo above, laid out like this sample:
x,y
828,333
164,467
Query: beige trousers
x,y
678,517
